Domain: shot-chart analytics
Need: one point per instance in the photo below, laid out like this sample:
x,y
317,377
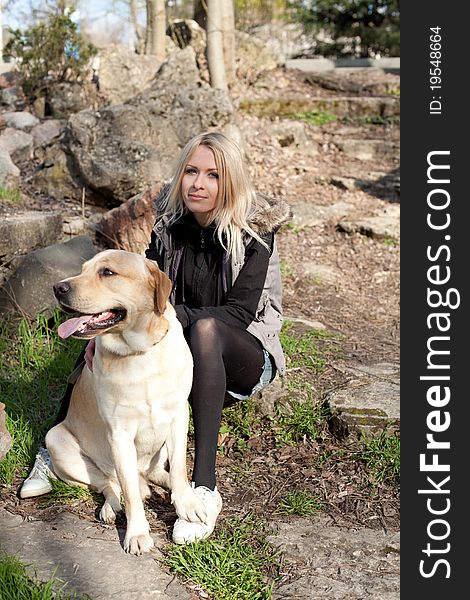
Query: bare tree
x,y
215,48
228,36
155,42
134,22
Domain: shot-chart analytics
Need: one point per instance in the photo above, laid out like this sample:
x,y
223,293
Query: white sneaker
x,y
37,483
185,532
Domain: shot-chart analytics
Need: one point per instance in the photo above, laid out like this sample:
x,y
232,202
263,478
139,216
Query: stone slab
x,y
339,563
89,557
384,225
369,402
23,232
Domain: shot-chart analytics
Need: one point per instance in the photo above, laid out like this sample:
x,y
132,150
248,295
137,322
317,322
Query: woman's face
x,y
200,184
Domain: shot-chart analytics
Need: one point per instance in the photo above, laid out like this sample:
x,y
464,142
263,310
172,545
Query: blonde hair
x,y
235,196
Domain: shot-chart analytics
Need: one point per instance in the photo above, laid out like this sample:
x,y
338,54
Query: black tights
x,y
224,358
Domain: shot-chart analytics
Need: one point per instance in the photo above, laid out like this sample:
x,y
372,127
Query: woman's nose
x,y
198,181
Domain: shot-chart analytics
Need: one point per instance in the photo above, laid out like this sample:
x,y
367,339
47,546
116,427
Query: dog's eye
x,y
107,272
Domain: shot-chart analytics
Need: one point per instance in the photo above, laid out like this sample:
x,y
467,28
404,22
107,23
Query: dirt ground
x,y
362,308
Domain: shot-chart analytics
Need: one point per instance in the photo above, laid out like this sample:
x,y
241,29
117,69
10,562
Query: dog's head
x,y
114,291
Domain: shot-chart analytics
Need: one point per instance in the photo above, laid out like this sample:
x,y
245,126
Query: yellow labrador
x,y
128,418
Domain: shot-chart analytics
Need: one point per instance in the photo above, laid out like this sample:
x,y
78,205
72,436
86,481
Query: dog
x,y
127,422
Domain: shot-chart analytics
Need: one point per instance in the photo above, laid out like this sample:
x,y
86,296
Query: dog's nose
x,y
61,288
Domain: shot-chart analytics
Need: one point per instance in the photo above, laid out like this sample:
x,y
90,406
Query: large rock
x,y
121,150
29,290
46,132
58,176
68,97
253,57
128,227
17,143
187,32
19,120
124,74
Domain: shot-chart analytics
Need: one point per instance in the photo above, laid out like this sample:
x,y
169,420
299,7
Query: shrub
x,y
51,52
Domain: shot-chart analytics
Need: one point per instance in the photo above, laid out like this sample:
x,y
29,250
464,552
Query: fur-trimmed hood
x,y
267,214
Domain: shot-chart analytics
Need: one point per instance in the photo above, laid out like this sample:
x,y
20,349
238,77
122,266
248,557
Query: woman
x,y
214,237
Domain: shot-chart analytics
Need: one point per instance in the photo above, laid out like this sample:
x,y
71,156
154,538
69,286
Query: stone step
x,y
365,106
23,232
370,401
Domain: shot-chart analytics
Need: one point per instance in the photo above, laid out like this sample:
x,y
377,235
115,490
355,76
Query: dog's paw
x,y
189,507
107,513
138,544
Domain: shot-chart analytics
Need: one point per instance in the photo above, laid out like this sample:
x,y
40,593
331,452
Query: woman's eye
x,y
190,170
214,175
107,272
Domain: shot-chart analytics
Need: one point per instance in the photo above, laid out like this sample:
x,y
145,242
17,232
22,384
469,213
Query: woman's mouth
x,y
197,197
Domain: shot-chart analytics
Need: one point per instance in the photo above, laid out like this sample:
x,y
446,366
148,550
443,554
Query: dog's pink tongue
x,y
68,328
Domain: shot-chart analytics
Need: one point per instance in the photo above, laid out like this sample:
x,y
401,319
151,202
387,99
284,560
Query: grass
x,y
302,350
239,418
64,493
300,503
34,365
317,118
305,419
236,563
381,457
11,196
19,582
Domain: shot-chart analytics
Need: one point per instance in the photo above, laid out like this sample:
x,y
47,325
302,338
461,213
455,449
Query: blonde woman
x,y
215,238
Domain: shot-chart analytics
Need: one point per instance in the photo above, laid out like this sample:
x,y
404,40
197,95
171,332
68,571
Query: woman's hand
x,y
90,353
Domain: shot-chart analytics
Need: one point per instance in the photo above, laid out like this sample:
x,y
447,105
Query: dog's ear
x,y
162,286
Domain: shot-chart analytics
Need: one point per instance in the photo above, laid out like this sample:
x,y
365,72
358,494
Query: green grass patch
x,y
381,457
10,196
20,582
239,422
300,503
304,420
317,118
236,563
302,350
64,493
34,366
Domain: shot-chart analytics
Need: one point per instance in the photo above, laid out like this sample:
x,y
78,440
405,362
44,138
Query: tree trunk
x,y
215,48
138,42
156,29
228,35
